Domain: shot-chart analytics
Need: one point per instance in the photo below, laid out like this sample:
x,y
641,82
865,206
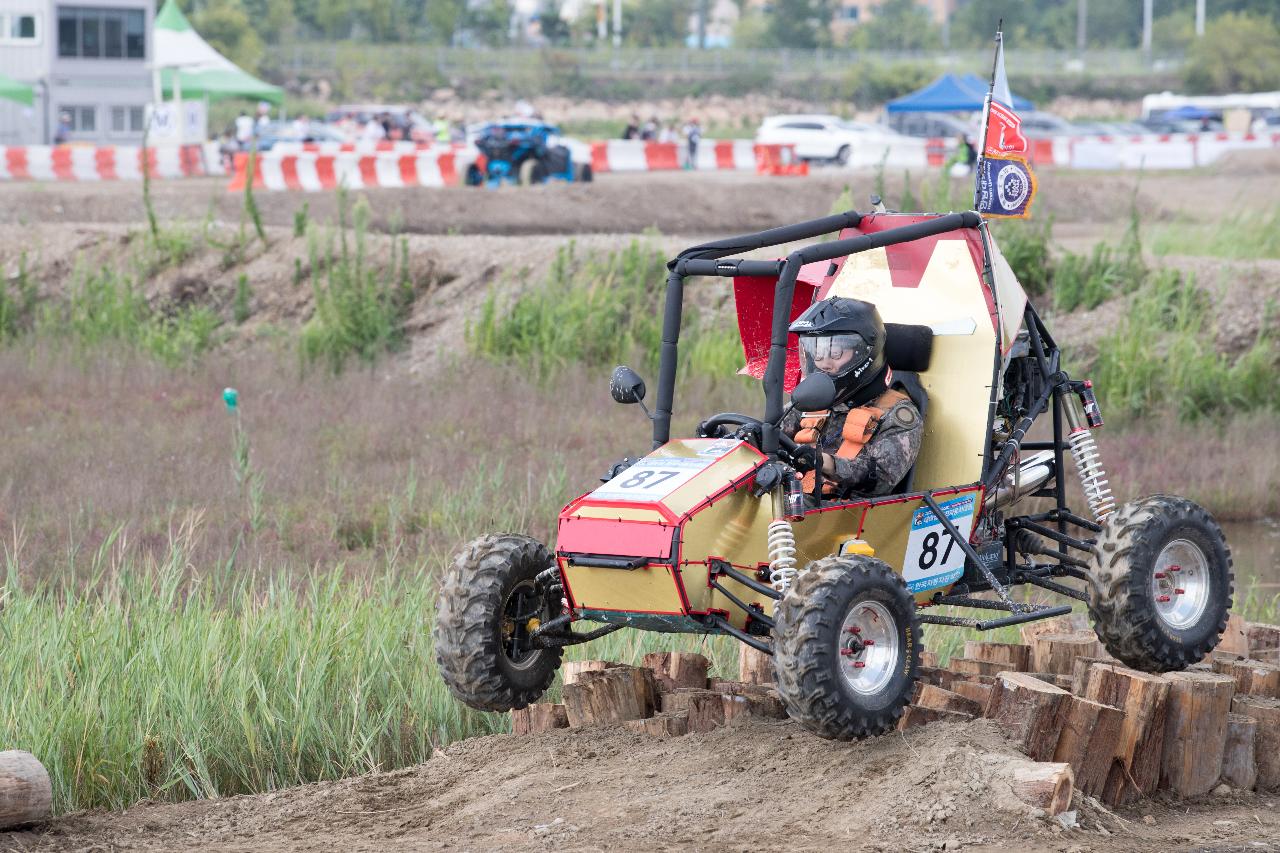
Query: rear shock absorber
x,y
1082,416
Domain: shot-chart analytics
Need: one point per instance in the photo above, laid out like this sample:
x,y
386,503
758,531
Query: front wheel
x,y
842,156
490,602
847,646
532,171
1165,584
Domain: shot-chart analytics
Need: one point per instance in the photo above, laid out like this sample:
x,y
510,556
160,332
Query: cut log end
x,y
26,794
1045,785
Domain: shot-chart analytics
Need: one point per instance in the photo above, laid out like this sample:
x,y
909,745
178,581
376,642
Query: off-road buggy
x,y
687,540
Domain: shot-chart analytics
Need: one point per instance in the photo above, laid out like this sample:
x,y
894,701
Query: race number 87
x,y
929,549
646,479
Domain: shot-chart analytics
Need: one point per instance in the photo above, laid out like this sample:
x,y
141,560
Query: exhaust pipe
x,y
1029,476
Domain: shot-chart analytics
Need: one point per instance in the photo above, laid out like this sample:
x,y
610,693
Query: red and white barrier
x,y
107,163
634,155
309,171
1147,151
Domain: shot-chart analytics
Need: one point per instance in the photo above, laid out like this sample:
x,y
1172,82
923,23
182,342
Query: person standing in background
x,y
692,135
63,132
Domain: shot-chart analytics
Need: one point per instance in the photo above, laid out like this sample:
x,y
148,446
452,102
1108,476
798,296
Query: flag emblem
x,y
1006,187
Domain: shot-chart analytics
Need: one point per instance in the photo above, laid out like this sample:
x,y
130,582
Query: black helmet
x,y
845,339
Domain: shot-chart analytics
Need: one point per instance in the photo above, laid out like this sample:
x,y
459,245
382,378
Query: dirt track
x,y
756,786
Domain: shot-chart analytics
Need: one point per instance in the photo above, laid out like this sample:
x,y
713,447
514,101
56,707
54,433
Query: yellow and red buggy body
x,y
649,548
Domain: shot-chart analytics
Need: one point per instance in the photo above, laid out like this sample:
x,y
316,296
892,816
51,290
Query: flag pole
x,y
986,116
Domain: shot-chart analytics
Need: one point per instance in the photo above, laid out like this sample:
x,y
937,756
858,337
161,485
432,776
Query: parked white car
x,y
820,137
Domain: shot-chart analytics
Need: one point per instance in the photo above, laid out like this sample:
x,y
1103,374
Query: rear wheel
x,y
847,647
583,173
490,602
532,171
1166,584
842,156
474,177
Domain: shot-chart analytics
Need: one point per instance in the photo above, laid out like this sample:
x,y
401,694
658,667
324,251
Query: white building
x,y
87,59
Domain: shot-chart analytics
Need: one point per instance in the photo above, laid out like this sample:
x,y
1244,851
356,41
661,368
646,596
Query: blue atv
x,y
524,153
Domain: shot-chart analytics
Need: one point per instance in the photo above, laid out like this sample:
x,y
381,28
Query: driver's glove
x,y
806,458
618,467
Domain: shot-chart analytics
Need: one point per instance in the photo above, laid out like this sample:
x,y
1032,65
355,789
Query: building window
x,y
19,29
126,119
83,119
89,33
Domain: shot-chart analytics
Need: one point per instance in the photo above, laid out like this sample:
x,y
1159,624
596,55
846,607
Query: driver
x,y
868,440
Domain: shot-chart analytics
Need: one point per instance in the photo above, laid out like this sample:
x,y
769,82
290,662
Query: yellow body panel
x,y
650,589
958,381
625,513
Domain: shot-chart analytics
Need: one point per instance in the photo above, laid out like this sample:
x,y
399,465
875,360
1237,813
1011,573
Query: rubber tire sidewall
x,y
532,171
1125,616
842,155
468,630
806,660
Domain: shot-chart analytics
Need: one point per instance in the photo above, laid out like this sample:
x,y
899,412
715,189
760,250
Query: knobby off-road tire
x,y
1151,536
532,171
473,628
820,686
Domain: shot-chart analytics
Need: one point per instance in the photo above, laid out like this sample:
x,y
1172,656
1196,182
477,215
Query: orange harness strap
x,y
859,425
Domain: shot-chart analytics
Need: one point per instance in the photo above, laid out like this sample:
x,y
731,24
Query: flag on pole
x,y
1004,183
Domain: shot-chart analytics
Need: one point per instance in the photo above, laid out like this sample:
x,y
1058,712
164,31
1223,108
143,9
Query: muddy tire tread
x,y
1120,608
466,643
806,681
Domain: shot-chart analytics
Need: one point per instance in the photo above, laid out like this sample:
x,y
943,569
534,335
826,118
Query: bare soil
x,y
759,785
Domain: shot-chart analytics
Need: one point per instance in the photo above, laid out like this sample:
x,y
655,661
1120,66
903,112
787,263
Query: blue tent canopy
x,y
950,93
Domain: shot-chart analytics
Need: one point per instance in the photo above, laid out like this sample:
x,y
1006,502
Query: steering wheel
x,y
748,428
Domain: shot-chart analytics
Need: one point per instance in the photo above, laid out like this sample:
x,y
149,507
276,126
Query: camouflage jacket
x,y
884,460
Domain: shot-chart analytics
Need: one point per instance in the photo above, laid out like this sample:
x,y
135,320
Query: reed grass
x,y
1243,236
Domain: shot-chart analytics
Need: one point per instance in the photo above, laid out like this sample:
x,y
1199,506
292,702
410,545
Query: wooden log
x,y
1239,765
1251,676
1016,655
1235,639
539,717
1090,733
969,666
1056,653
1195,731
914,716
26,794
1267,742
1041,784
928,658
705,708
573,670
978,692
1262,637
1265,655
754,666
935,675
1144,700
1063,681
937,699
1080,672
1072,623
674,670
752,704
661,725
610,696
1030,711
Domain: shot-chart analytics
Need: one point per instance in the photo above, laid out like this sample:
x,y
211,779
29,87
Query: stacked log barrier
x,y
26,794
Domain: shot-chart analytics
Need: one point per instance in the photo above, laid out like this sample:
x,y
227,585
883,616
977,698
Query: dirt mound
x,y
756,785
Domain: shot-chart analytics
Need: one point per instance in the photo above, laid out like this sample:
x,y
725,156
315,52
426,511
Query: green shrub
x,y
17,301
1244,236
1025,245
359,309
241,308
600,309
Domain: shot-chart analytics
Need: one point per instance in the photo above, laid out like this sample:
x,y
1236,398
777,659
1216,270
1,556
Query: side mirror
x,y
816,392
625,385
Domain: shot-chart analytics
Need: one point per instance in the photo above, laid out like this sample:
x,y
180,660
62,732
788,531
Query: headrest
x,y
908,347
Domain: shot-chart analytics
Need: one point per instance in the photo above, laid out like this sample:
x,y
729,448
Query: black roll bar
x,y
708,259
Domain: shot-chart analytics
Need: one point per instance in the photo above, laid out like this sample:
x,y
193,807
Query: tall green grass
x,y
1163,356
359,306
1243,236
159,681
598,309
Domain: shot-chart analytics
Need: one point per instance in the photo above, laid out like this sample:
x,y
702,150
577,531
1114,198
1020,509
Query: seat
x,y
908,349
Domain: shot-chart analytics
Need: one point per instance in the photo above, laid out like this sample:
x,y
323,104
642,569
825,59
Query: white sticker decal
x,y
933,557
720,447
653,478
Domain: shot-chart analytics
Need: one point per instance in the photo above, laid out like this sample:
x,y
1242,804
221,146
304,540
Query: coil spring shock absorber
x,y
1082,417
788,506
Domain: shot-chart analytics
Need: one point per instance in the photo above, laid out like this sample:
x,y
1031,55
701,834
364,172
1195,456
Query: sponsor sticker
x,y
933,557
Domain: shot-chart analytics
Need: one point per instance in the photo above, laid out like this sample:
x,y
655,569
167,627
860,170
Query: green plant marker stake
x,y
230,397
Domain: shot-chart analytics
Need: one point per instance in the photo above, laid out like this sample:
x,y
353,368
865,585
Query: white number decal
x,y
933,557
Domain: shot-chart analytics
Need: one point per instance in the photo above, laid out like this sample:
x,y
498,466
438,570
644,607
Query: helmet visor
x,y
834,355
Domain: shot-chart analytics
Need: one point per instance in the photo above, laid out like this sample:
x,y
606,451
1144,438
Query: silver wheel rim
x,y
1180,584
867,647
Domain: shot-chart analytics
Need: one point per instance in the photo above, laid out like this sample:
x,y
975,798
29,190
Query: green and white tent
x,y
12,90
199,71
